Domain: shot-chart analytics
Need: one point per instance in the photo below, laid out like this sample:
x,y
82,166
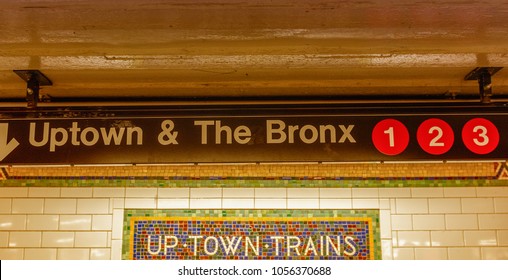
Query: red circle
x,y
435,136
390,137
480,136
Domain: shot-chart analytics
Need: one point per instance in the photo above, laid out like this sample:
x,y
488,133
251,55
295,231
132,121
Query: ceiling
x,y
251,48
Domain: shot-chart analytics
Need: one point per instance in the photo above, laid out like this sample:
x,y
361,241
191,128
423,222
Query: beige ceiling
x,y
143,48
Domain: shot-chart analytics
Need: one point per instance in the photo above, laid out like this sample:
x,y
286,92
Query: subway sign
x,y
236,234
251,136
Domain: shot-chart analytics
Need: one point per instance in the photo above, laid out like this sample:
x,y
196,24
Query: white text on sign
x,y
89,136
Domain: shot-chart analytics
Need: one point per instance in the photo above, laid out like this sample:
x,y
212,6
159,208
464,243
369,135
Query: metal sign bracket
x,y
483,76
34,80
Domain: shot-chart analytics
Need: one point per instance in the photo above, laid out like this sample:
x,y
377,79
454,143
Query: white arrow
x,y
6,148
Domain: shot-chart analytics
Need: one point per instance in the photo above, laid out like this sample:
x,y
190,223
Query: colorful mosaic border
x,y
146,221
482,174
275,183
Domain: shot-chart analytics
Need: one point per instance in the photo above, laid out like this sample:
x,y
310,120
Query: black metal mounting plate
x,y
475,74
41,78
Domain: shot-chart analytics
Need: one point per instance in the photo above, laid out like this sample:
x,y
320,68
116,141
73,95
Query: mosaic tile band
x,y
260,176
252,234
288,170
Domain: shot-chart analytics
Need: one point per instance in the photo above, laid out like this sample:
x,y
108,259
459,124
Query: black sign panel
x,y
318,136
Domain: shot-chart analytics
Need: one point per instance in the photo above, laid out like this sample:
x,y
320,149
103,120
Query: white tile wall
x,y
415,223
60,206
365,193
402,222
102,222
42,222
384,203
12,222
493,221
76,192
116,249
91,239
501,205
302,193
335,203
395,239
270,204
270,193
460,192
494,253
13,192
117,232
203,203
100,254
477,205
394,192
465,253
238,203
5,205
140,203
385,224
24,239
412,206
73,254
75,222
141,192
110,238
461,221
403,253
431,254
492,191
238,193
58,239
206,193
446,238
427,192
303,203
40,254
502,237
93,206
27,206
480,238
444,205
335,193
365,203
116,203
386,249
169,203
393,206
414,238
108,192
43,192
173,192
4,239
11,254
428,222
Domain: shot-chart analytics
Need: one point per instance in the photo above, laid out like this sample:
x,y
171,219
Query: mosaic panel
x,y
251,234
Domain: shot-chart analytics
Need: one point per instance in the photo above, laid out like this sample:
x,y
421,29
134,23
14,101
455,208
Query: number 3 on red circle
x,y
480,136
